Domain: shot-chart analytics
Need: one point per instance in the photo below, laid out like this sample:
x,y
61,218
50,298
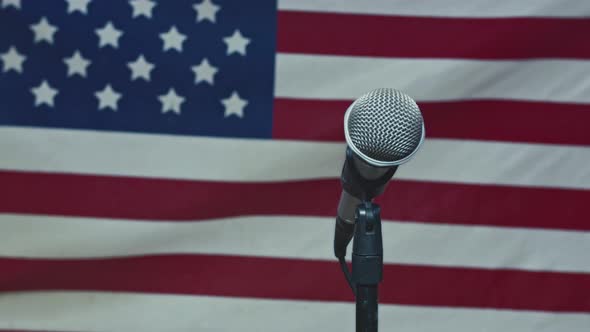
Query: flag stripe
x,y
100,311
347,77
544,122
450,8
432,37
211,159
301,280
181,200
405,242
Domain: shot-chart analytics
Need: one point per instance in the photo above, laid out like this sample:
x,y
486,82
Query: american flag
x,y
173,165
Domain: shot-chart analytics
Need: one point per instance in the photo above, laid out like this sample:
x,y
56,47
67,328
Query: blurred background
x,y
174,165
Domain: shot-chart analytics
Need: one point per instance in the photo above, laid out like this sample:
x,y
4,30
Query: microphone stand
x,y
367,251
367,265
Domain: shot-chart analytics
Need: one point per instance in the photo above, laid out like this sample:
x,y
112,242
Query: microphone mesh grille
x,y
385,124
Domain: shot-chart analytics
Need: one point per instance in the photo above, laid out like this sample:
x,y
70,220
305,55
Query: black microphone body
x,y
361,182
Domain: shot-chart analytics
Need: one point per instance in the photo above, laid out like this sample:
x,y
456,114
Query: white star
x,y
171,101
206,10
13,3
236,43
108,98
78,5
109,35
140,68
44,94
204,72
173,39
234,105
43,31
77,64
142,7
13,60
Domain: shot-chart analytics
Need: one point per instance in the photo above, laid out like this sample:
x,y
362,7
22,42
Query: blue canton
x,y
203,67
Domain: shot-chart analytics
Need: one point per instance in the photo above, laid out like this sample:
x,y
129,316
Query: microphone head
x,y
384,127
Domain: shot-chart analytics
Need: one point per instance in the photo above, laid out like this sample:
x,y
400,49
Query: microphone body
x,y
383,128
361,182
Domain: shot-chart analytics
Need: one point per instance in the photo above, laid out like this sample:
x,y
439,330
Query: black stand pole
x,y
366,308
367,265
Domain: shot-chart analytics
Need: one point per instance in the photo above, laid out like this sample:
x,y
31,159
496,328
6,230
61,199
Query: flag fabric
x,y
174,165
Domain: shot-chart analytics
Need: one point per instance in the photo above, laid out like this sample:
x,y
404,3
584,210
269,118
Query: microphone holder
x,y
367,265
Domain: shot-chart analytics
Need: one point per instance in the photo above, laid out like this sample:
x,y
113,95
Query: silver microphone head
x,y
384,127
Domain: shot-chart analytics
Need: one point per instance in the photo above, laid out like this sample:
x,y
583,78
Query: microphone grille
x,y
384,127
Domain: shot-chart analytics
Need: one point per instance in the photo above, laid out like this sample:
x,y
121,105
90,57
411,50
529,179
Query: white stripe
x,y
404,242
447,8
102,311
342,77
199,158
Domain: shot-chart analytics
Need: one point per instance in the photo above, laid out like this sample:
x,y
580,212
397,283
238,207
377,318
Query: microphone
x,y
384,128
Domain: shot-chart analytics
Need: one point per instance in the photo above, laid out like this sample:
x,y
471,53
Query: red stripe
x,y
144,198
496,120
301,280
428,37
